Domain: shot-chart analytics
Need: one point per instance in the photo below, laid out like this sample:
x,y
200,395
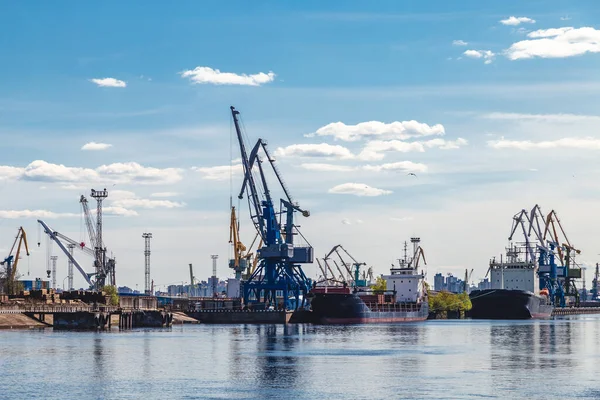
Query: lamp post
x,y
66,277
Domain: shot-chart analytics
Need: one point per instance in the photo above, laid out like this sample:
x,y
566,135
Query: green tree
x,y
380,285
112,292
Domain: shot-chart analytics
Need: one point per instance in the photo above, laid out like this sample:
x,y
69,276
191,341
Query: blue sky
x,y
516,99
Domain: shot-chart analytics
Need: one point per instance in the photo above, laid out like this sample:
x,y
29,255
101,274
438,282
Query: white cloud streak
x,y
513,21
558,118
165,194
358,189
95,146
565,143
321,167
219,173
459,43
207,75
487,55
146,203
314,150
376,149
377,129
16,214
406,166
131,172
556,43
109,82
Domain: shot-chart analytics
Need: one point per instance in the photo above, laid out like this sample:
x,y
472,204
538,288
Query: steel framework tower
x,y
214,275
100,195
54,258
70,246
147,288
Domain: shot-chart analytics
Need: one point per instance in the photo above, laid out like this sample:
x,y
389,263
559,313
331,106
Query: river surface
x,y
455,359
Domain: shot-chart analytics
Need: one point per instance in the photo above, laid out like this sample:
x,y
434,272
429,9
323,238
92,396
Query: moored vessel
x,y
515,292
403,300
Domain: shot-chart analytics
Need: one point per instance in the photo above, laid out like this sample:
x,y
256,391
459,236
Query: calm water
x,y
430,360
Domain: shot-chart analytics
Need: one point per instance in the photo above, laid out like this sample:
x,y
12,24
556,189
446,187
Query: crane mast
x,y
278,270
12,261
53,235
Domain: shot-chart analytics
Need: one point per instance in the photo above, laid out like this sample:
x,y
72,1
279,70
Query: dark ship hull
x,y
508,304
349,308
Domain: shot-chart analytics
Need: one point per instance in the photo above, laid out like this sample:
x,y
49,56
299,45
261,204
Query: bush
x,y
446,301
379,286
112,292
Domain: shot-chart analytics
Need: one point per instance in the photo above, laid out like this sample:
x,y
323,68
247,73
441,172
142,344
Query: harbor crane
x,y
12,260
105,267
278,268
596,284
56,237
239,262
354,273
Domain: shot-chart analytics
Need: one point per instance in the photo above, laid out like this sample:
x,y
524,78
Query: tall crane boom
x,y
54,237
278,270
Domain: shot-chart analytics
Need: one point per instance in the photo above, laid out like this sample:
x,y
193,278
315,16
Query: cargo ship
x,y
404,299
514,292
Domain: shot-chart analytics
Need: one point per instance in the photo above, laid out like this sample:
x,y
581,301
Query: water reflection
x,y
277,363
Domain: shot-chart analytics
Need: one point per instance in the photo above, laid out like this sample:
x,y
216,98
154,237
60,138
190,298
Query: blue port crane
x,y
11,262
278,271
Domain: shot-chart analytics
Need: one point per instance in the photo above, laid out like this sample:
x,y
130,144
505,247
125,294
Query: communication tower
x,y
147,287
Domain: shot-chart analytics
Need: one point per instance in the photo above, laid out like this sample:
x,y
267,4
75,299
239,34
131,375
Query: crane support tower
x,y
70,246
101,272
214,279
54,258
279,270
147,287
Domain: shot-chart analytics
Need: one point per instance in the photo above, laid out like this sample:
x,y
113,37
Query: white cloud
x,y
327,167
9,173
401,219
165,194
14,214
358,189
145,203
214,76
42,171
314,150
374,150
565,18
566,118
120,211
393,130
136,173
573,143
219,173
346,221
95,146
517,20
459,43
73,187
556,43
487,55
131,172
407,166
446,144
109,82
121,194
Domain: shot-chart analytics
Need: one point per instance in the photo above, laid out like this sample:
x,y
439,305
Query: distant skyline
x,y
492,106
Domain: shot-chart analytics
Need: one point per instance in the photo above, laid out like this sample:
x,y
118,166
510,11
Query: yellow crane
x,y
241,255
12,261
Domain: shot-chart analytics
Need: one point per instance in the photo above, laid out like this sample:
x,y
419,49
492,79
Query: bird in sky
x,y
412,173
